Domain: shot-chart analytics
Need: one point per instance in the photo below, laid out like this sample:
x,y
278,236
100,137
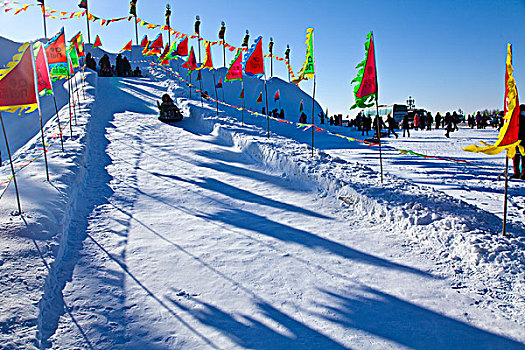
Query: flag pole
x,y
136,31
242,99
12,167
190,83
379,138
266,98
506,195
58,120
69,92
216,97
313,109
200,86
87,23
43,142
42,6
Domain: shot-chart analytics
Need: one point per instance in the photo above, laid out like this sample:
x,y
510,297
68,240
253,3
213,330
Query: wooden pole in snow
x,y
12,167
506,195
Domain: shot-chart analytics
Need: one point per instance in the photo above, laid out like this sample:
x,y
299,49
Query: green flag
x,y
73,56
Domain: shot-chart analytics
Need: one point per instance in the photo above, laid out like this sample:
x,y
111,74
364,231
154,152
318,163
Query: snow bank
x,y
463,239
32,242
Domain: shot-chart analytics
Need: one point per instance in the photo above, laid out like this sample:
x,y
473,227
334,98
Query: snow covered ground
x,y
205,234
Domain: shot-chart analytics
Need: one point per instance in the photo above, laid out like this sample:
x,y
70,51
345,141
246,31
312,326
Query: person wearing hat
x,y
519,158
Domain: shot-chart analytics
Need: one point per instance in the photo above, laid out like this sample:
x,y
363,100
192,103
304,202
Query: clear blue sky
x,y
446,54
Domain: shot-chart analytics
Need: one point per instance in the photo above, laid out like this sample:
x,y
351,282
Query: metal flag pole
x,y
58,121
43,8
87,22
266,95
242,99
506,195
216,97
378,127
313,109
12,167
43,142
198,32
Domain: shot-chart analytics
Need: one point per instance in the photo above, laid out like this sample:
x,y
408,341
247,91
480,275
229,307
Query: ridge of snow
x,y
464,239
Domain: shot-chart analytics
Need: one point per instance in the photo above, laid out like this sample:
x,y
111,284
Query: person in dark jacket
x,y
405,124
450,124
168,107
302,118
281,114
438,120
519,158
430,120
391,125
378,126
105,66
137,73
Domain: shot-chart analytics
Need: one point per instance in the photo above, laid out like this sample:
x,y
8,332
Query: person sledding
x,y
168,110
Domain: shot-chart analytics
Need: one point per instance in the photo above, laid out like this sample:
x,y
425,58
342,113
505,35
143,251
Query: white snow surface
x,y
206,234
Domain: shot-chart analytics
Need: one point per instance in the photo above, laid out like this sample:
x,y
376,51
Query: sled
x,y
170,116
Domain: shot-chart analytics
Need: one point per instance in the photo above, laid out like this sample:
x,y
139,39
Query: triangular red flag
x,y
127,47
97,43
301,108
165,52
369,82
259,99
191,63
276,97
42,72
144,41
255,59
182,48
199,76
219,85
242,94
157,43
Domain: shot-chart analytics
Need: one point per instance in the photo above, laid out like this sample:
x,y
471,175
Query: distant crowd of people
x,y
122,67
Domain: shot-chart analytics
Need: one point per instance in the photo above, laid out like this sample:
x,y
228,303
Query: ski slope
x,y
206,234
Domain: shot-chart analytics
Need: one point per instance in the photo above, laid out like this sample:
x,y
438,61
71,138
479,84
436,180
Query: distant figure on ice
x,y
281,114
137,73
405,124
367,124
438,120
205,95
450,124
430,120
264,111
378,126
331,120
416,121
302,118
519,158
391,125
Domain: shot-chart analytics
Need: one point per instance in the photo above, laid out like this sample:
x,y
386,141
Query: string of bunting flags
x,y
305,127
65,15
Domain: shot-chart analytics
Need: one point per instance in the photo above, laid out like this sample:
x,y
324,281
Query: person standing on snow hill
x,y
281,114
519,156
302,118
